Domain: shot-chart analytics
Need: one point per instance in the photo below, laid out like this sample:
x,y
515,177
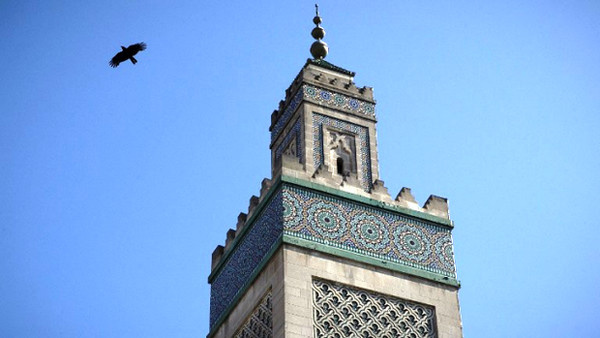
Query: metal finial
x,y
319,48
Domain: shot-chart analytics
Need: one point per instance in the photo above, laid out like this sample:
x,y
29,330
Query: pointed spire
x,y
319,48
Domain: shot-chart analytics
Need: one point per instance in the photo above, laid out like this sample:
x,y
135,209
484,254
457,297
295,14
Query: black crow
x,y
127,53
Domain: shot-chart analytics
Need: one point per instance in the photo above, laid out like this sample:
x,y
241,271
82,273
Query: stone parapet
x,y
298,211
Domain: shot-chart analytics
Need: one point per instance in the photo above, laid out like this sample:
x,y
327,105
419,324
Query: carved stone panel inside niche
x,y
341,152
291,148
322,124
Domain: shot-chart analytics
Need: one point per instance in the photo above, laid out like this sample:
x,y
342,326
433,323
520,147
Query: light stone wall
x,y
301,265
270,277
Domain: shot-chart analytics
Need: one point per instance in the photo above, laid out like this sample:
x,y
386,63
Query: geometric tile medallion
x,y
344,311
367,230
333,222
260,323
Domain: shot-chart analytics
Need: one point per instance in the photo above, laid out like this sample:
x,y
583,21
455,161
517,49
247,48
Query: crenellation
x,y
338,82
437,206
253,203
380,192
241,221
264,187
406,199
294,86
230,237
367,93
274,117
281,105
216,256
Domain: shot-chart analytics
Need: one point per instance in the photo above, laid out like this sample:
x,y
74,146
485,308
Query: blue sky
x,y
118,183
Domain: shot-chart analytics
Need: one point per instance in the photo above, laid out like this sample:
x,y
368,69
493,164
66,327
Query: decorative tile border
x,y
293,134
367,230
335,223
248,254
287,114
339,101
322,97
363,148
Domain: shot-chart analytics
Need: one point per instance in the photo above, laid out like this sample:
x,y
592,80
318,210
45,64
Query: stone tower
x,y
324,251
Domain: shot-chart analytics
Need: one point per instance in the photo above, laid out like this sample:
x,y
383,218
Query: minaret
x,y
324,251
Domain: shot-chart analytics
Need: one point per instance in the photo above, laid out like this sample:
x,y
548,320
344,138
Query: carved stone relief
x,y
342,152
344,311
260,323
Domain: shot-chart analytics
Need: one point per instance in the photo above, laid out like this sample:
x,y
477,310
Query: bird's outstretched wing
x,y
137,47
120,57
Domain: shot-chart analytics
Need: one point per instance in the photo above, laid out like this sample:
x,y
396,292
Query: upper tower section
x,y
324,130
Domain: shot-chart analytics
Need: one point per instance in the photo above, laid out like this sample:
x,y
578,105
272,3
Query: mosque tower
x,y
324,250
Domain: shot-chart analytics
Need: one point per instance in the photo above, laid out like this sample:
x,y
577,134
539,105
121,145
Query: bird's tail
x,y
133,60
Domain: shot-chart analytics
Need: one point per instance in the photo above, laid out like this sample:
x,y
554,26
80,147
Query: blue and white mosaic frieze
x,y
287,114
362,133
248,254
339,101
293,135
367,230
325,98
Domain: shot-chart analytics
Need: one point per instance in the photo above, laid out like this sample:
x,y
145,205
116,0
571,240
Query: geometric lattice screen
x,y
344,311
260,323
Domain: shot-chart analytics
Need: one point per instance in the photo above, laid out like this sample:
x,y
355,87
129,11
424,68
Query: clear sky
x,y
117,184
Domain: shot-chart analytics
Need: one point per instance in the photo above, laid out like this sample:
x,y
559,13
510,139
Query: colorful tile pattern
x,y
247,256
294,134
335,222
367,230
339,101
325,98
363,148
287,114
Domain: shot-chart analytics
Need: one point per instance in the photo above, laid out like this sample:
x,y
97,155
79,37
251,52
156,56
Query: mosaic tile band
x,y
322,97
293,134
339,101
367,230
287,114
246,258
335,222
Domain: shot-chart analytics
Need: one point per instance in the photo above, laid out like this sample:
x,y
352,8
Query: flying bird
x,y
127,53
